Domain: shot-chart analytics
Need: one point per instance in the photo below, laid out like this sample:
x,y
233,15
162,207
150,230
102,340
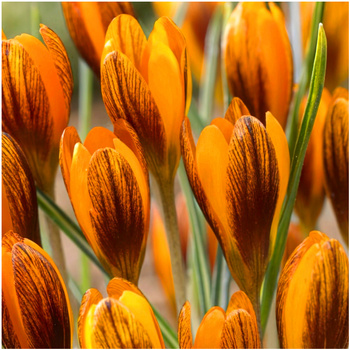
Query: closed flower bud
x,y
107,182
258,60
312,304
37,87
35,307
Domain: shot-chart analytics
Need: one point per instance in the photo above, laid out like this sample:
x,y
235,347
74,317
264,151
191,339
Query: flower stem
x,y
168,202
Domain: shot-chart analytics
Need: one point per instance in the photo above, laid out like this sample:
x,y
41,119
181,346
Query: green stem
x,y
72,230
316,87
180,14
85,106
293,118
34,19
217,277
200,259
170,218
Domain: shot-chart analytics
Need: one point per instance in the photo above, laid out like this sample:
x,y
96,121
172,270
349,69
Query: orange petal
x,y
239,300
161,257
294,238
252,192
61,61
68,140
90,298
125,34
118,209
19,190
115,327
224,126
126,95
42,298
209,332
280,145
336,162
314,292
97,138
184,327
117,286
258,61
240,331
235,110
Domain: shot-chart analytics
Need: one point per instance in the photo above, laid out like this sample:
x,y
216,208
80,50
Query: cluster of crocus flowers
x,y
311,193
239,172
234,329
36,91
87,23
336,158
35,307
312,307
258,59
123,320
19,204
107,182
134,87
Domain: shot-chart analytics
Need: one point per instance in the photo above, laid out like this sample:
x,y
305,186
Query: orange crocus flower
x,y
312,304
147,82
234,329
87,23
336,158
123,320
19,204
107,182
36,90
311,193
239,173
194,28
336,25
35,307
258,59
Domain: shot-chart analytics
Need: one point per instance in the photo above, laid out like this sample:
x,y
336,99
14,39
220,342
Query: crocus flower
x,y
312,304
87,23
147,82
107,182
194,28
36,90
19,204
311,193
336,26
123,320
258,59
239,172
336,158
234,329
35,307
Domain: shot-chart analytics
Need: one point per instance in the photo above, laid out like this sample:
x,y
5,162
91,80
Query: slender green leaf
x,y
316,87
180,14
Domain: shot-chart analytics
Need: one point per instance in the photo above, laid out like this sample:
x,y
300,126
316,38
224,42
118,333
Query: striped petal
x,y
235,110
251,194
118,208
313,296
19,191
336,162
184,327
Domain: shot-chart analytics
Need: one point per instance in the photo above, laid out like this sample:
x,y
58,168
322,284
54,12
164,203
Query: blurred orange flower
x,y
107,182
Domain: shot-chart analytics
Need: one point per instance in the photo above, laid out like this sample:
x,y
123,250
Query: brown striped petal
x,y
117,207
90,298
18,192
239,300
61,60
115,327
42,297
184,327
126,95
251,194
240,331
311,193
258,60
336,162
313,296
235,110
87,23
117,286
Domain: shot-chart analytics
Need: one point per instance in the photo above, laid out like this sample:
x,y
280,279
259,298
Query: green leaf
x,y
313,101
